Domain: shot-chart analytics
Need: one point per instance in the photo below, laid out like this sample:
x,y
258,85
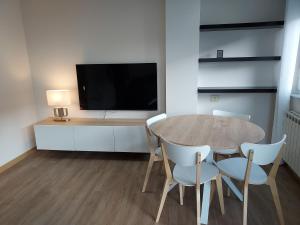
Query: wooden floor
x,y
69,188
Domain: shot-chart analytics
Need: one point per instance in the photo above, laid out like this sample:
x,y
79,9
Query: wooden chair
x,y
229,114
154,146
249,171
189,170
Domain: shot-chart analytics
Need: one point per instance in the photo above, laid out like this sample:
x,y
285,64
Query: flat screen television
x,y
131,86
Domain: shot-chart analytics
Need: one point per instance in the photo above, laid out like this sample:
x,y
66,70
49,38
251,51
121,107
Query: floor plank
x,y
82,188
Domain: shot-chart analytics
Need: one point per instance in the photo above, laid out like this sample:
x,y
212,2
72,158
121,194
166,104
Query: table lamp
x,y
59,99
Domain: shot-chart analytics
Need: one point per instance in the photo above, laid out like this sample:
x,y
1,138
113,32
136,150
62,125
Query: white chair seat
x,y
236,168
186,175
225,151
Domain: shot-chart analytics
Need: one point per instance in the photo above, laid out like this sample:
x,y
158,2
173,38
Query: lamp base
x,y
61,114
61,119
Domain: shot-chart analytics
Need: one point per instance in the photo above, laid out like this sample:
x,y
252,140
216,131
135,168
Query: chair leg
x,y
245,205
228,189
215,157
220,193
228,192
181,193
275,195
149,168
163,199
198,207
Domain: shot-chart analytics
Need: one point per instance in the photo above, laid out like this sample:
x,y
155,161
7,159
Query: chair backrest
x,y
231,114
184,155
263,154
152,139
155,119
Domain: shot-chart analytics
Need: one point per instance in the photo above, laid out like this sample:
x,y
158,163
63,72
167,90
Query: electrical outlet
x,y
214,98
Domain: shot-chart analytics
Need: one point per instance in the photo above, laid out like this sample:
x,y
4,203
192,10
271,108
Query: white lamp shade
x,y
59,98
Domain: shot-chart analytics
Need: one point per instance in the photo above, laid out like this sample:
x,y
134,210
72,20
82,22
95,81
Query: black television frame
x,y
82,96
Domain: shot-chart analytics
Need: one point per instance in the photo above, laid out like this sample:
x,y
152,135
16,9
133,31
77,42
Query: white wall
x,y
290,56
182,53
62,33
243,11
17,112
296,82
264,42
240,43
295,98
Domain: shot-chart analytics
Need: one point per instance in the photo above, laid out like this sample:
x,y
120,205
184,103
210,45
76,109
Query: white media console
x,y
99,135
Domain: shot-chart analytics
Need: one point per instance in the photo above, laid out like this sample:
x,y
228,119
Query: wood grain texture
x,y
220,193
94,122
215,131
246,187
82,188
198,197
153,157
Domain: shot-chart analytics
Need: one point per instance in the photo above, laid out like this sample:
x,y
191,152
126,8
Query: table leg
x,y
210,158
205,203
227,180
233,188
172,186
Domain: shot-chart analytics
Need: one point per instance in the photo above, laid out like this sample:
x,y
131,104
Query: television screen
x,y
117,86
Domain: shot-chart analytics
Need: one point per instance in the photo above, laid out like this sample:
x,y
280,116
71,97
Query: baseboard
x,y
13,162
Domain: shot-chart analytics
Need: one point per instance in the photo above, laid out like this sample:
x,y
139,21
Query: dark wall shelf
x,y
242,26
240,59
237,89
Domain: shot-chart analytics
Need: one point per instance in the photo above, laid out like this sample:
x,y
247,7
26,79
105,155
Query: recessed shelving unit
x,y
242,26
240,59
237,89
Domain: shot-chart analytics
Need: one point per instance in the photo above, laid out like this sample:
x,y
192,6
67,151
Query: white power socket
x,y
215,98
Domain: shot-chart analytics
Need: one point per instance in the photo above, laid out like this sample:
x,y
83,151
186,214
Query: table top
x,y
215,131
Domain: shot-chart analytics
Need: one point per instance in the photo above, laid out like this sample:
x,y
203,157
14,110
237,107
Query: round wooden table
x,y
215,131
